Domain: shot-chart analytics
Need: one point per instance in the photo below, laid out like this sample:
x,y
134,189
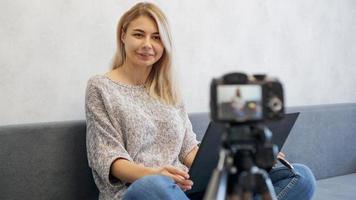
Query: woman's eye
x,y
157,37
138,35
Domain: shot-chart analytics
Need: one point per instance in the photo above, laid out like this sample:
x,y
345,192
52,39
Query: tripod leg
x,y
217,186
255,182
247,195
264,185
244,196
266,196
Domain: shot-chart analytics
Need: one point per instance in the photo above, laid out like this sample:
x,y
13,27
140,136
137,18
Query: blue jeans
x,y
289,184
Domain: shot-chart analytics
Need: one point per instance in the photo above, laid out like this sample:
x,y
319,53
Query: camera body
x,y
239,99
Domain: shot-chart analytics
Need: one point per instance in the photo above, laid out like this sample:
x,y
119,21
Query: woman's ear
x,y
123,35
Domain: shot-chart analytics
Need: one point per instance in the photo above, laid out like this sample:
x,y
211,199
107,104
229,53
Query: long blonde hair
x,y
160,83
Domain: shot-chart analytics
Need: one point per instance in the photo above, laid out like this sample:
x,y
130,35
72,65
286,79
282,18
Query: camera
x,y
243,104
238,98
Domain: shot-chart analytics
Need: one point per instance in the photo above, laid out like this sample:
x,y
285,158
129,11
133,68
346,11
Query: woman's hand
x,y
282,158
281,155
179,176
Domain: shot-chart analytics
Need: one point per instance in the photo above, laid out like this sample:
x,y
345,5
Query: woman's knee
x,y
152,187
306,180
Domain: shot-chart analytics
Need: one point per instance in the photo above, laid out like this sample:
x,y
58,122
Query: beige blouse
x,y
123,121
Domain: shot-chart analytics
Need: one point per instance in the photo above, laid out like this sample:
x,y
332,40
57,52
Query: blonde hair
x,y
160,83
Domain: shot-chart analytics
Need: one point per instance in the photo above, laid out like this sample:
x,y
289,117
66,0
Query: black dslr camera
x,y
237,98
242,104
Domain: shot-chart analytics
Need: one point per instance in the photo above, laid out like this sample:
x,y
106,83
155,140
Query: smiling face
x,y
142,42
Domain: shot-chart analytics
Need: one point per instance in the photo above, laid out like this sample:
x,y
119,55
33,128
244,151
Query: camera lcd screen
x,y
239,103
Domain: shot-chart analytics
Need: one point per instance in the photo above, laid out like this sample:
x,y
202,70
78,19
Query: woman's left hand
x,y
281,155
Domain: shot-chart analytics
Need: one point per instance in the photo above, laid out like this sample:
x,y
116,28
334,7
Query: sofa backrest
x,y
324,138
45,161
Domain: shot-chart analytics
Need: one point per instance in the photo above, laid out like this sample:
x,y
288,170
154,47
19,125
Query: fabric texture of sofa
x,y
48,160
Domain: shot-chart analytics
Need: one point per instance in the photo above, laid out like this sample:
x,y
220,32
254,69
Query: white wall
x,y
49,49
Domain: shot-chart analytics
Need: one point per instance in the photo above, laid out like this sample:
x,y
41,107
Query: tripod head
x,y
253,154
250,144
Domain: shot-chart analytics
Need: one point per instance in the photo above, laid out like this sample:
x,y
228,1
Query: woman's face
x,y
143,45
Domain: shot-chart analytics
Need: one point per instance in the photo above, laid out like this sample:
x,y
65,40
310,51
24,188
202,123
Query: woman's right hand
x,y
180,177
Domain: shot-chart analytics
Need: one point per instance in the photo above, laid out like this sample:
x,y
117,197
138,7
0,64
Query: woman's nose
x,y
147,43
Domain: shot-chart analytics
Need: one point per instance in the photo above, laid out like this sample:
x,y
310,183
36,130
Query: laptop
x,y
208,154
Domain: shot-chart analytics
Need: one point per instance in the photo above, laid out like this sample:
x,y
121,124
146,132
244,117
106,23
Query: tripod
x,y
246,154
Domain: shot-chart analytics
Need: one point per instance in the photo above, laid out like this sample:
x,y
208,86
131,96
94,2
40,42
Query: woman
x,y
140,141
238,105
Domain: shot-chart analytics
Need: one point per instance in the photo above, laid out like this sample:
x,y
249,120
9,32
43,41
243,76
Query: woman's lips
x,y
145,56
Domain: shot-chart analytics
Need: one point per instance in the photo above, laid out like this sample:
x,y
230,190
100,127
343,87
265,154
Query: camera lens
x,y
275,104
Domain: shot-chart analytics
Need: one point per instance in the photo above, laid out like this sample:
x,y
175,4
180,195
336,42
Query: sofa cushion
x,y
340,187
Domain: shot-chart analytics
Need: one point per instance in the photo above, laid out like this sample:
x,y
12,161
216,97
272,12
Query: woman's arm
x,y
188,160
128,171
190,144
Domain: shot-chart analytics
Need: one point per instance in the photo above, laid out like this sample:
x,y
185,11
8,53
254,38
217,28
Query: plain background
x,y
49,49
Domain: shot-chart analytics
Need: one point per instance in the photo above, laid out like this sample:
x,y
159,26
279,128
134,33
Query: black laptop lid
x,y
281,128
208,154
207,158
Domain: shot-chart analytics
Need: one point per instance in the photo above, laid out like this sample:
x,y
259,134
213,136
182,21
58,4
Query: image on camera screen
x,y
239,102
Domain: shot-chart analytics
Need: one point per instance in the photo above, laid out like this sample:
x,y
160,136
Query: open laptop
x,y
208,154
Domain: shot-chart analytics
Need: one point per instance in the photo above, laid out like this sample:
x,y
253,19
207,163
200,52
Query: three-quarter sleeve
x,y
190,138
104,142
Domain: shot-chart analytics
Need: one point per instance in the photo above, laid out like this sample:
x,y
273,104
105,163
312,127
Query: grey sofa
x,y
48,160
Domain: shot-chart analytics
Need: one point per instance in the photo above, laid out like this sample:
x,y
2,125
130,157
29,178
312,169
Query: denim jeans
x,y
297,184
